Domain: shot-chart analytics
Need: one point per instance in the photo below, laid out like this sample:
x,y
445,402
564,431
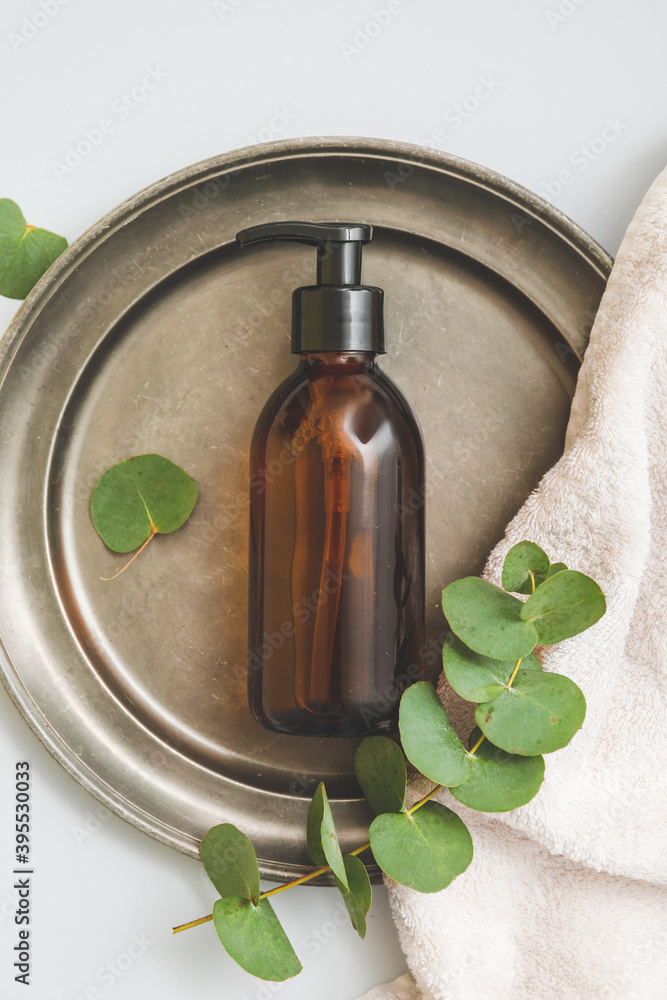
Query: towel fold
x,y
566,897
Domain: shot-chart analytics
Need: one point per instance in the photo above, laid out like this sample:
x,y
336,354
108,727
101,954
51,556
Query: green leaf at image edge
x,y
380,768
26,252
428,737
230,862
253,936
322,839
425,850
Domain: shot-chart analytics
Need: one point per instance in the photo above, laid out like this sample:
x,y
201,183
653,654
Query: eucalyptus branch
x,y
522,713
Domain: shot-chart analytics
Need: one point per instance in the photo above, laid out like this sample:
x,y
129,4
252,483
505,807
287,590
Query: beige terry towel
x,y
566,898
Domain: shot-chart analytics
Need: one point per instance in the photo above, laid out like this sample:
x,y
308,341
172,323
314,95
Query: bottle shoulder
x,y
357,402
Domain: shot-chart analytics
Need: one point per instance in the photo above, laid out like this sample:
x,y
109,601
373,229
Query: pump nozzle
x,y
338,313
338,245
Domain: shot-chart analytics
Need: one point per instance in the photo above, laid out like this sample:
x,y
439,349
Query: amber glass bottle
x,y
336,569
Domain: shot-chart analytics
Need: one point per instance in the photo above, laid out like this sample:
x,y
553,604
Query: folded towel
x,y
566,897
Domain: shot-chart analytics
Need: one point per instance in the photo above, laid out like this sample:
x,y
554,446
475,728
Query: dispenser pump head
x,y
338,313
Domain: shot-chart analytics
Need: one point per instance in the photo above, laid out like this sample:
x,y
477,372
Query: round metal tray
x,y
154,332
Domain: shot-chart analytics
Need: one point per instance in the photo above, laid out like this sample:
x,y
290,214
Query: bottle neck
x,y
344,362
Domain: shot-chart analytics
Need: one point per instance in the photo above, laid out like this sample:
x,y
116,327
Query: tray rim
x,y
469,171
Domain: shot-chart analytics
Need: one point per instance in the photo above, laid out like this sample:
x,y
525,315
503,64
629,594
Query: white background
x,y
574,88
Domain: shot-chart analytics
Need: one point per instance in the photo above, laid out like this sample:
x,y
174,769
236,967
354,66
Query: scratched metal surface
x,y
155,333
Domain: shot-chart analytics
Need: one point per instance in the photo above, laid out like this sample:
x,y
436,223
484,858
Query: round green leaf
x,y
540,713
254,938
479,678
358,899
563,606
380,768
230,862
487,619
523,563
428,737
25,251
500,781
424,850
321,837
553,569
139,497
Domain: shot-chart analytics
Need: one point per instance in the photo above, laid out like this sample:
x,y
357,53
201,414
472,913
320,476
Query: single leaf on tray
x,y
322,839
425,850
380,768
26,252
540,713
230,862
253,936
140,497
479,678
488,619
428,737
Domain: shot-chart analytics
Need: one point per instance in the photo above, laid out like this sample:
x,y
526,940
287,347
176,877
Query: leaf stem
x,y
425,799
309,875
296,881
192,923
137,553
513,674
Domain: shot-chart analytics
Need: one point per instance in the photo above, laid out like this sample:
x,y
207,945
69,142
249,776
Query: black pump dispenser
x,y
338,313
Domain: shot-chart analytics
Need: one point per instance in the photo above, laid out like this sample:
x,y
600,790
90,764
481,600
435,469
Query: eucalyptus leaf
x,y
500,781
475,677
540,713
428,737
253,936
25,251
321,837
140,497
380,768
230,862
425,850
358,899
553,569
563,606
488,619
523,563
